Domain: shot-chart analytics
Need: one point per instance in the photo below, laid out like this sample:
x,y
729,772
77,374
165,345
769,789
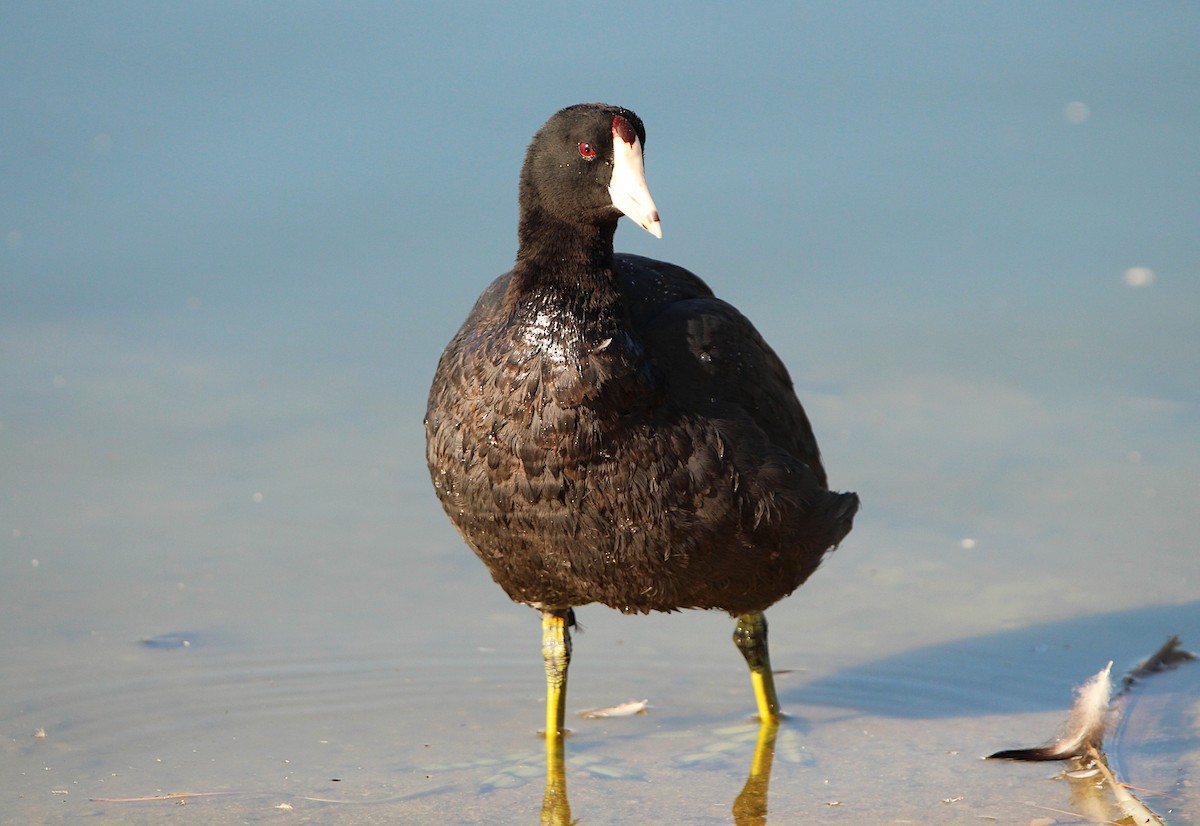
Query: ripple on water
x,y
213,716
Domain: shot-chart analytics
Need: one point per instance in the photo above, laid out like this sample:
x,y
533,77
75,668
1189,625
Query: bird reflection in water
x,y
749,807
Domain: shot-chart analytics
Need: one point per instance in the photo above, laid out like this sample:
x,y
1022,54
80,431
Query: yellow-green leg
x,y
750,807
556,651
556,809
750,636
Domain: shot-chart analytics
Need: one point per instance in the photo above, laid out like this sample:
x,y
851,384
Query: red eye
x,y
586,151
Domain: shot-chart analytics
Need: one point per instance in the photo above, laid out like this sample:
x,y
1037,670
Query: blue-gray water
x,y
234,238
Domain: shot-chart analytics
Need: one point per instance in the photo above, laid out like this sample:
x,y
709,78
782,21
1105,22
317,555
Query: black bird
x,y
603,429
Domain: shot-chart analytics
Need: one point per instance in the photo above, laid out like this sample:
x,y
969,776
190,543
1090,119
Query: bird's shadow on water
x,y
1027,669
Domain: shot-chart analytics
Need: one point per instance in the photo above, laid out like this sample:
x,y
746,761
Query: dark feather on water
x,y
1169,656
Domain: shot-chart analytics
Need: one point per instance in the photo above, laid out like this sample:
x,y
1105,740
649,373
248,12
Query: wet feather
x,y
1096,708
1084,727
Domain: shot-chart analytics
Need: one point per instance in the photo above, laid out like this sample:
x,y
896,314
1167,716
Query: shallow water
x,y
215,589
232,247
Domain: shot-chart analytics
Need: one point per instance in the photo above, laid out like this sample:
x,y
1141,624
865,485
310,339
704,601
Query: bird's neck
x,y
554,254
564,285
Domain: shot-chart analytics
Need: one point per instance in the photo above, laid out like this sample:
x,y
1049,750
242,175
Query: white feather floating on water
x,y
1095,707
623,710
1085,726
1094,710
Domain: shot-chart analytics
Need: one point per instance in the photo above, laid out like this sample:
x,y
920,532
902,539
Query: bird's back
x,y
713,354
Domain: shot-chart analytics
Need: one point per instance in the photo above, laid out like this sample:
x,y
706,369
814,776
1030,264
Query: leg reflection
x,y
750,807
556,810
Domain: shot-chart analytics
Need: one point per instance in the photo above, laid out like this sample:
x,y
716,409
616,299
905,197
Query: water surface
x,y
234,241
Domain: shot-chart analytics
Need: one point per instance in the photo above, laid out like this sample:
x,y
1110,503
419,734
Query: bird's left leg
x,y
556,651
750,636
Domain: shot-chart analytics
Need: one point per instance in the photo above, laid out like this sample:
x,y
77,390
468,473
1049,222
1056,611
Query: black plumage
x,y
602,428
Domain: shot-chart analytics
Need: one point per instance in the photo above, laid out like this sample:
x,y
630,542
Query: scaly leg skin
x,y
556,651
750,636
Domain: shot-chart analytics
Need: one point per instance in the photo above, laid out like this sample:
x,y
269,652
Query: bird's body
x,y
634,443
603,429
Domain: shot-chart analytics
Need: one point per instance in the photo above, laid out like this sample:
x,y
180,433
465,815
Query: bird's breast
x,y
547,358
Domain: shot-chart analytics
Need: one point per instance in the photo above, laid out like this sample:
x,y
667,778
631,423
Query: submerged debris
x,y
1133,808
176,639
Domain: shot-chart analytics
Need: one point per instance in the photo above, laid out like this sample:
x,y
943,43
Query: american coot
x,y
603,429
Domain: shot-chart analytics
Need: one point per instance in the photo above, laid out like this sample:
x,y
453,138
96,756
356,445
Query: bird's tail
x,y
842,510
